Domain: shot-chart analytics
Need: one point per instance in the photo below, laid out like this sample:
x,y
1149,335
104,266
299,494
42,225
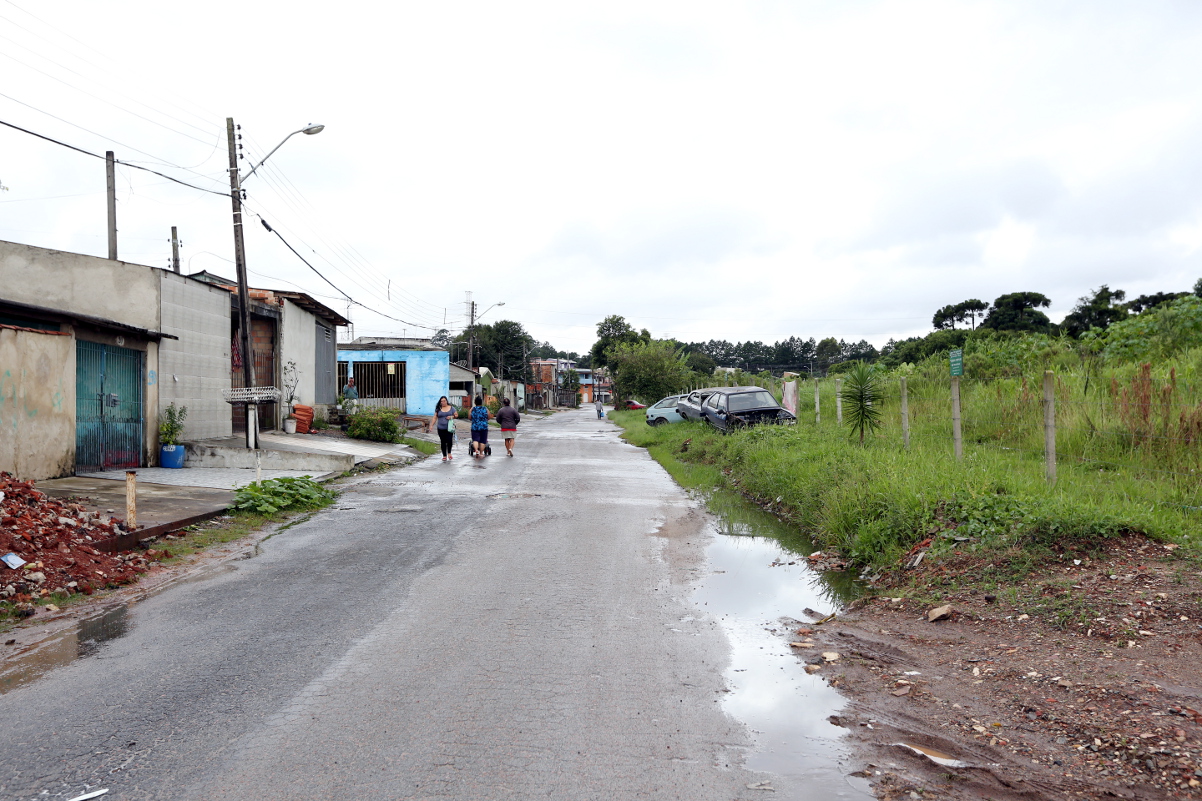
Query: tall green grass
x,y
875,502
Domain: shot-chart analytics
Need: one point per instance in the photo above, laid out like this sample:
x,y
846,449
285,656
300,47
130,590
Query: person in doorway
x,y
480,417
443,422
508,418
600,409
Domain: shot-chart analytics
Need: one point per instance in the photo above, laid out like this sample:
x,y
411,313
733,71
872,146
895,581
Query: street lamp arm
x,y
308,129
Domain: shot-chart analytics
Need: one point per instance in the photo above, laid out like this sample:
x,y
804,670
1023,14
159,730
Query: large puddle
x,y
759,574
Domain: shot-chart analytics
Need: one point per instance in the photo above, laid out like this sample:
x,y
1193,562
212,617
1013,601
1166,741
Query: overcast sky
x,y
707,170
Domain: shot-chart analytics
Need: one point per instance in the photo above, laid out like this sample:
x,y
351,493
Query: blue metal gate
x,y
108,407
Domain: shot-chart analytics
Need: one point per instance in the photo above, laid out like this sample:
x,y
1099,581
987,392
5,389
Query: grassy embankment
x,y
1128,463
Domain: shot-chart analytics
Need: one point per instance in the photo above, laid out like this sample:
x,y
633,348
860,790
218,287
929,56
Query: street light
x,y
248,369
471,330
308,129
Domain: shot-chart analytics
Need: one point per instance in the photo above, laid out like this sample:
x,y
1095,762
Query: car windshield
x,y
743,401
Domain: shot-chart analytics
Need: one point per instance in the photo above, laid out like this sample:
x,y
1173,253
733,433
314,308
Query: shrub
x,y
277,494
377,425
171,424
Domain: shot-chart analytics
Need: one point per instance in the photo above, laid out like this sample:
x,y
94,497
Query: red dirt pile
x,y
57,539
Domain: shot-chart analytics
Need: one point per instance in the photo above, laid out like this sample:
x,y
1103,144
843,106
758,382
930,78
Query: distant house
x,y
400,373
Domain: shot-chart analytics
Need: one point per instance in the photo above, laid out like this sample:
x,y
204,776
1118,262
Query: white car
x,y
664,412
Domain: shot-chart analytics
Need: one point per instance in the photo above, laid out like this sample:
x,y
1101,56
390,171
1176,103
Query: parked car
x,y
730,408
631,405
689,406
663,412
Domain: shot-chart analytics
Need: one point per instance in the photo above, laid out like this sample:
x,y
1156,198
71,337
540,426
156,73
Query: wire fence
x,y
1108,429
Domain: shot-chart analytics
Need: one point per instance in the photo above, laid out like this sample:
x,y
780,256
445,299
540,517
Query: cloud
x,y
694,240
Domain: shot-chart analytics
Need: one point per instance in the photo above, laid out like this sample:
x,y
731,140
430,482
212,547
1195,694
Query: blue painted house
x,y
405,374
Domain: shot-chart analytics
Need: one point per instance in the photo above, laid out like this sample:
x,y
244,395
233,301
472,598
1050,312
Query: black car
x,y
689,406
730,408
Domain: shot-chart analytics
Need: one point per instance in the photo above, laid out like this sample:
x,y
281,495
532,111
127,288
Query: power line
x,y
117,161
331,283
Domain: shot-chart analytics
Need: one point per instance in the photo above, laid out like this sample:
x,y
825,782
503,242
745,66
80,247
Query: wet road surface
x,y
498,629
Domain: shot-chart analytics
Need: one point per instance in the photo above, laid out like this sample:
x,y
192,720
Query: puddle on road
x,y
64,648
785,708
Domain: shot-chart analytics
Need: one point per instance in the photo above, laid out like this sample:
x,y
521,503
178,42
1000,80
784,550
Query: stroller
x,y
487,449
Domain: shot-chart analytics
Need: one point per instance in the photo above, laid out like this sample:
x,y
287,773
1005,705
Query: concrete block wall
x,y
195,369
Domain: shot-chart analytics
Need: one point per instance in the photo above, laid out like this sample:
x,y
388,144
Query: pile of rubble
x,y
54,542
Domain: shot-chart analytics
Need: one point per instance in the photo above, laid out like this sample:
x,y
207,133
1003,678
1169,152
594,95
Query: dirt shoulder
x,y
1083,681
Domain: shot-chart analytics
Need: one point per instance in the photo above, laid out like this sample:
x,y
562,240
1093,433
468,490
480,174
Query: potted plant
x,y
290,423
171,429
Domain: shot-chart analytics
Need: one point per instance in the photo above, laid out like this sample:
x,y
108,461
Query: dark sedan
x,y
731,408
689,406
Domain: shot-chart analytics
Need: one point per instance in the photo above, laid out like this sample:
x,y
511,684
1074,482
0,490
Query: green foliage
x,y
171,424
319,422
279,494
493,406
375,424
648,370
1019,311
1098,310
611,332
862,398
965,312
1158,333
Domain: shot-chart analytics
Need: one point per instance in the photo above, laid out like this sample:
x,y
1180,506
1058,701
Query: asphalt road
x,y
499,629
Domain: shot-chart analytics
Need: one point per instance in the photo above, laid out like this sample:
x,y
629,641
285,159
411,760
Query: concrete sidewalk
x,y
161,507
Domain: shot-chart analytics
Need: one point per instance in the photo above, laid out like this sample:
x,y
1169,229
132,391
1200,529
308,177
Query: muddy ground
x,y
1083,681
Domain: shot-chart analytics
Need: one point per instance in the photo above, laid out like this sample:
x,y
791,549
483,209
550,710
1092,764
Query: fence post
x,y
1049,424
905,400
817,407
838,402
957,437
131,500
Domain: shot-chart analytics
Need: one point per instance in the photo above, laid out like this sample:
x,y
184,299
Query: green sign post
x,y
956,360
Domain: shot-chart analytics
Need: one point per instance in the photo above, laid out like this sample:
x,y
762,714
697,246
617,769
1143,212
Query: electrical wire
x,y
331,283
116,161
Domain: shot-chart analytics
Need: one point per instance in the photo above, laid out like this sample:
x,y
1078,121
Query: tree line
x,y
649,368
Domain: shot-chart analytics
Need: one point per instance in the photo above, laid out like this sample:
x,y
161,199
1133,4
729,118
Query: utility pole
x,y
248,367
471,332
175,249
110,172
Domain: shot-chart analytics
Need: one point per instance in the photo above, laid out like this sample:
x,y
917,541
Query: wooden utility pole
x,y
110,172
175,249
248,358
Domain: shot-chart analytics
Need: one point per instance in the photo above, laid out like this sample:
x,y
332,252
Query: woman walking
x,y
480,417
509,418
444,415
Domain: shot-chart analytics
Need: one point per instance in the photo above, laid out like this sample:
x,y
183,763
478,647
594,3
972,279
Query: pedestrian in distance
x,y
508,418
444,424
350,394
600,409
479,418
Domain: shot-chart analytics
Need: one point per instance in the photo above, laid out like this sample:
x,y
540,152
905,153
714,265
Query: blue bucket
x,y
171,456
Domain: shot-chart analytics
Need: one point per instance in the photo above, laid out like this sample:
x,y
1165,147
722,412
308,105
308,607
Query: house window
x,y
379,379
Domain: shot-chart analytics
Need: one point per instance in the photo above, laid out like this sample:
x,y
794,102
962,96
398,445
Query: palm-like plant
x,y
862,396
